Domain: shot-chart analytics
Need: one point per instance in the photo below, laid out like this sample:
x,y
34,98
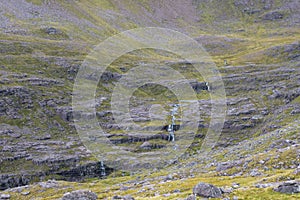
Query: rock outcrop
x,y
207,190
80,194
289,187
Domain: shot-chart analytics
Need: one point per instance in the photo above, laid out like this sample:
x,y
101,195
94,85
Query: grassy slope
x,y
76,41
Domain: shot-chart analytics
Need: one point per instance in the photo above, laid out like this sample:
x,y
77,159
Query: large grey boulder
x,y
207,190
80,195
289,187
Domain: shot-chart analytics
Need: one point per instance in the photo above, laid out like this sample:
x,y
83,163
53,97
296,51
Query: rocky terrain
x,y
255,46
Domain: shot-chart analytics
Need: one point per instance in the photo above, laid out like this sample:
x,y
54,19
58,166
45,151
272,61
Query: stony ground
x,y
42,46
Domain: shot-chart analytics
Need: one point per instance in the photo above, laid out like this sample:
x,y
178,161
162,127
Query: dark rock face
x,y
289,187
89,170
79,173
110,76
132,139
207,190
199,86
80,194
176,127
274,15
12,180
148,146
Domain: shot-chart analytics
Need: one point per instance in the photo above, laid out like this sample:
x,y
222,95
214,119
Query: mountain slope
x,y
43,44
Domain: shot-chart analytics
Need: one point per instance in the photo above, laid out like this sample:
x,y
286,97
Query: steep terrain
x,y
43,44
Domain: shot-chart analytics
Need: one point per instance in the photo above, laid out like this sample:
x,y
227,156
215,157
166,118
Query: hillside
x,y
45,46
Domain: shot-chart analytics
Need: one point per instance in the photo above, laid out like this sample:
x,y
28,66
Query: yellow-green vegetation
x,y
155,189
36,2
231,30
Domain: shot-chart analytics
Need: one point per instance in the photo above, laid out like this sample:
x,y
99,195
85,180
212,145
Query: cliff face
x,y
43,44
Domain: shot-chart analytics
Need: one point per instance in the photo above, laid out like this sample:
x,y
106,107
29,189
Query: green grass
x,y
35,2
29,53
110,187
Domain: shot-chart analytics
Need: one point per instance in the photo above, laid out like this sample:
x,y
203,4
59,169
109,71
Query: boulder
x,y
25,193
80,194
273,15
226,190
235,185
127,197
207,190
4,196
255,172
51,31
224,166
146,145
191,197
289,187
49,184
